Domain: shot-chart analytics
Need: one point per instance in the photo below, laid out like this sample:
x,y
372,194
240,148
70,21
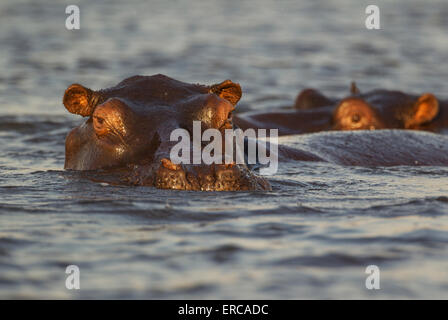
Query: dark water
x,y
311,237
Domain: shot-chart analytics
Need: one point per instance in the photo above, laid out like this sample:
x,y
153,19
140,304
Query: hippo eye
x,y
99,120
356,118
99,124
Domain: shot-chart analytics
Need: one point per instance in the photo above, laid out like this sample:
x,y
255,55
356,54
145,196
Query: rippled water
x,y
311,237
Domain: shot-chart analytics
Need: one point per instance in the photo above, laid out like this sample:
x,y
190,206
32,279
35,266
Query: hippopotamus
x,y
126,137
376,109
384,109
128,127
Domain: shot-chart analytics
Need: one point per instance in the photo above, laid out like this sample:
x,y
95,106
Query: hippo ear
x,y
310,99
354,90
425,110
227,90
80,100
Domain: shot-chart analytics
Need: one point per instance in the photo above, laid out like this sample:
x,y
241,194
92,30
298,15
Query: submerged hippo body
x,y
287,122
383,148
127,132
312,112
377,109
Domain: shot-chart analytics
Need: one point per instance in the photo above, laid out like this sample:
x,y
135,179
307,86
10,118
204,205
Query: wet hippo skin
x,y
287,121
389,147
312,112
313,99
128,127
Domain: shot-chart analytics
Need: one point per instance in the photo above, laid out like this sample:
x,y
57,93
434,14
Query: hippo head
x,y
383,109
129,126
377,109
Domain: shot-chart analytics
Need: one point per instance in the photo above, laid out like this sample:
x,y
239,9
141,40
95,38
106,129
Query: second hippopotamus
x,y
376,109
